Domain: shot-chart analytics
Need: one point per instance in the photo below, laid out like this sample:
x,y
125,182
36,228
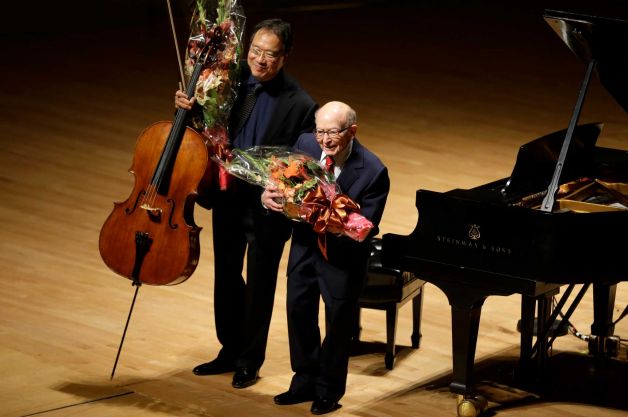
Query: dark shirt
x,y
252,133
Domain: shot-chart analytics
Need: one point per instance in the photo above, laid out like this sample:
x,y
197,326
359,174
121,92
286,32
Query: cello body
x,y
151,237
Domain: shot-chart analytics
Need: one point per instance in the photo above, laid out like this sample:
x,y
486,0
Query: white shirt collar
x,y
341,158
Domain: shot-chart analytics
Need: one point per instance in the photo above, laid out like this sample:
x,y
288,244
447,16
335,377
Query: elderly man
x,y
282,111
320,369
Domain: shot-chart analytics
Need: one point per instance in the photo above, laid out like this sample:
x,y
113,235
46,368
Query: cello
x,y
151,237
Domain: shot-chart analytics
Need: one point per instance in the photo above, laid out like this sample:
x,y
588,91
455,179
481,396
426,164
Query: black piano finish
x,y
472,244
475,232
601,38
481,242
475,243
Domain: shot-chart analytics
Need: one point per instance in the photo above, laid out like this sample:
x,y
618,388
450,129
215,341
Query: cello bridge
x,y
154,212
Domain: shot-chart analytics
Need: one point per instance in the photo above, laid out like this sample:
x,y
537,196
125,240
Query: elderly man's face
x,y
332,132
266,55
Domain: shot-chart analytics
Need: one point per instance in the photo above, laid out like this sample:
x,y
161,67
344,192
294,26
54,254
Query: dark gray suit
x,y
322,368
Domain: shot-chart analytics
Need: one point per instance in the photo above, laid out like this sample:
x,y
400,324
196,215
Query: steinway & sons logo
x,y
474,232
474,242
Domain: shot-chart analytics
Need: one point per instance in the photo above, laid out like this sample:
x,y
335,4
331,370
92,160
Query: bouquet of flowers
x,y
310,194
218,27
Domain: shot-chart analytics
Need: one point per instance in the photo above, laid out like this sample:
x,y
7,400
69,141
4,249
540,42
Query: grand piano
x,y
547,225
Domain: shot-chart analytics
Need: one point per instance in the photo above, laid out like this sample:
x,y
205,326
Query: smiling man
x,y
320,368
271,109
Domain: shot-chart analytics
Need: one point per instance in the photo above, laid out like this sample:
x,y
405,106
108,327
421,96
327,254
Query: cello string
x,y
168,152
167,155
151,192
149,197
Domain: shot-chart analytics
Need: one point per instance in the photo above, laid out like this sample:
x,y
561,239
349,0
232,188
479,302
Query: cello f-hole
x,y
170,223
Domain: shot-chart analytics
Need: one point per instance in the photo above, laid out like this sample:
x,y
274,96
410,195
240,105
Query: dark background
x,y
453,51
367,33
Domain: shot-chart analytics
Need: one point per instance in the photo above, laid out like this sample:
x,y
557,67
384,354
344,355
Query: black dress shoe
x,y
244,377
290,397
215,367
324,406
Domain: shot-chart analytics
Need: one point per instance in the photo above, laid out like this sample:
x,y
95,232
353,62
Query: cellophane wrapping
x,y
217,26
310,194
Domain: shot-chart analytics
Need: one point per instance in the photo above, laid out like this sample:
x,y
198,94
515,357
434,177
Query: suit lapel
x,y
352,168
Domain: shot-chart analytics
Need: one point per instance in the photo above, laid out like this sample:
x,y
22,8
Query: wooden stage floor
x,y
445,94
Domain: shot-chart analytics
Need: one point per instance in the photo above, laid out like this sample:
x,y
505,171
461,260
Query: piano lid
x,y
536,160
600,38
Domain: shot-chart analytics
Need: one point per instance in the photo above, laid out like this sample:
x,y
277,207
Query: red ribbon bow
x,y
327,215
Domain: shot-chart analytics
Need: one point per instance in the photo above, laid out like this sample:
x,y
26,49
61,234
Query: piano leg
x,y
466,308
527,333
602,341
465,321
531,361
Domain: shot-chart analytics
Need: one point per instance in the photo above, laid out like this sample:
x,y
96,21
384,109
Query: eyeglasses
x,y
332,133
271,56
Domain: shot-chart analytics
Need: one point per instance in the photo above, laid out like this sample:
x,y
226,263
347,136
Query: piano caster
x,y
471,406
604,346
612,346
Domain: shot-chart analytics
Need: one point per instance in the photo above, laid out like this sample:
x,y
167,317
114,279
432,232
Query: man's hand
x,y
272,198
181,100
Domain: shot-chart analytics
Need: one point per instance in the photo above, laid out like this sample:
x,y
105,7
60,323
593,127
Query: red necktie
x,y
329,164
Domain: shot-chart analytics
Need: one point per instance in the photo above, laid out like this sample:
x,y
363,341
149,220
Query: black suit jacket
x,y
293,115
364,178
294,111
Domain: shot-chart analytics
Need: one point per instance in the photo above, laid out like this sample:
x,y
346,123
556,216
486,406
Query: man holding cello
x,y
271,109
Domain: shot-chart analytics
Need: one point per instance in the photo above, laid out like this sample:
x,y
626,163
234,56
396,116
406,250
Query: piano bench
x,y
389,289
